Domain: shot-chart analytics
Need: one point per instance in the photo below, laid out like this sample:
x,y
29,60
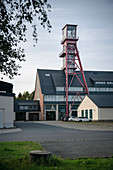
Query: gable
x,y
86,103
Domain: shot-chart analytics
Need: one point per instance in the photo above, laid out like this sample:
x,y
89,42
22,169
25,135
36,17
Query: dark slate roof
x,y
50,79
4,86
7,94
101,76
92,76
103,101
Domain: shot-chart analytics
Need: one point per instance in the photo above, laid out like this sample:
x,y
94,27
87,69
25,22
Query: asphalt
x,y
65,139
85,146
101,126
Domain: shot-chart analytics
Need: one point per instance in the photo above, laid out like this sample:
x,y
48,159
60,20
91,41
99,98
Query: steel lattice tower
x,y
72,65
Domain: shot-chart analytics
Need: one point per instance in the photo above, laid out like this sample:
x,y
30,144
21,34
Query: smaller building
x,y
27,110
97,107
6,105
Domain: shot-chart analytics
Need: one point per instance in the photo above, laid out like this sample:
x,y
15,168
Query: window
x,y
71,49
101,89
109,82
104,82
64,47
82,113
21,107
75,88
61,98
64,33
70,89
86,113
35,107
26,107
50,107
90,113
74,107
60,88
30,107
100,82
47,75
2,91
62,108
71,32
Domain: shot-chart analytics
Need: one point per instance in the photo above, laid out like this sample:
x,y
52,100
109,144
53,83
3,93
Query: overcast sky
x,y
95,30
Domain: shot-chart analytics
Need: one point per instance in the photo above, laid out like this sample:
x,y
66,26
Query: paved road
x,y
65,142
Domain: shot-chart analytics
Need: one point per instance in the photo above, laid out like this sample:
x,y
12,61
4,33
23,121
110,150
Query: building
x,y
27,110
61,91
97,107
6,105
50,89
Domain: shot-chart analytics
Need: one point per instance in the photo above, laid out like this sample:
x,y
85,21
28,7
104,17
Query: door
x,y
33,116
1,118
74,113
50,115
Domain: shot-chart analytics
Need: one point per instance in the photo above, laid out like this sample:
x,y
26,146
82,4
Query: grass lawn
x,y
15,156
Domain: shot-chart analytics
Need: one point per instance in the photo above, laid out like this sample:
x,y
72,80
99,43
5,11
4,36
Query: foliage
x,y
15,155
11,150
15,15
25,96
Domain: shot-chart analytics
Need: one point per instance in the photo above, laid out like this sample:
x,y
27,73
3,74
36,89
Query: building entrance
x,y
74,113
20,116
50,115
33,116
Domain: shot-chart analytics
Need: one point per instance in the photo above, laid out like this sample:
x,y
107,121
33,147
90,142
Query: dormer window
x,y
104,82
109,82
47,75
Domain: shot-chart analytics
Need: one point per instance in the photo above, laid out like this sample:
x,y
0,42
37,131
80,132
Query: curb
x,y
2,131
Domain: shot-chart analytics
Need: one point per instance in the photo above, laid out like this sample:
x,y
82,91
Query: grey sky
x,y
95,30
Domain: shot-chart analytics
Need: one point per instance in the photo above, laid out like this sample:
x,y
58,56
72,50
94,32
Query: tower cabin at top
x,y
69,42
69,33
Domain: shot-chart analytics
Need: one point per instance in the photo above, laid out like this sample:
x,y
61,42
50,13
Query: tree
x,y
14,17
25,96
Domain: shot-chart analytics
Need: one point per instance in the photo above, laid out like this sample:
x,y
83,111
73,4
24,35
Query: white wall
x,y
105,113
6,103
1,117
87,104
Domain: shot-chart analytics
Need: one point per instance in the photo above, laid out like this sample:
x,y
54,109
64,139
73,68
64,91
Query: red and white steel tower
x,y
72,64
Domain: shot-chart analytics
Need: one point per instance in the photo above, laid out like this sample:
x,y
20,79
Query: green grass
x,y
15,156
